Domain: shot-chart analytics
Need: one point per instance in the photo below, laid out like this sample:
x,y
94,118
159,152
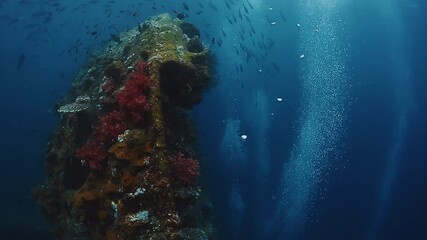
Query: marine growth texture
x,y
122,162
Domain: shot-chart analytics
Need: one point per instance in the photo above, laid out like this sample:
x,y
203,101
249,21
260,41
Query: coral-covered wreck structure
x,y
122,163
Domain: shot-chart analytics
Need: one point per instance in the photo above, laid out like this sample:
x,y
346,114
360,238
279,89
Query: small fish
x,y
247,18
282,16
275,67
185,6
115,38
181,16
21,60
244,7
241,36
237,51
213,40
213,7
223,32
268,18
229,20
228,5
250,5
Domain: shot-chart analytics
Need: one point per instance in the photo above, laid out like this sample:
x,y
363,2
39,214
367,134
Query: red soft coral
x,y
93,154
184,169
142,67
111,126
132,99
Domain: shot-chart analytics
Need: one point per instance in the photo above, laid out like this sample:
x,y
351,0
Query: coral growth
x,y
93,154
133,105
132,99
184,169
110,126
138,179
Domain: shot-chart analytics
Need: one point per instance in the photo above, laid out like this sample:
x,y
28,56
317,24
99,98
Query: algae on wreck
x,y
124,165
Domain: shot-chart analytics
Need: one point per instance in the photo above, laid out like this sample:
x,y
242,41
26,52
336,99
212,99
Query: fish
x,y
229,20
226,4
282,16
237,51
213,40
247,18
252,28
223,33
268,19
181,16
240,14
185,6
115,38
246,10
241,36
21,60
250,5
213,7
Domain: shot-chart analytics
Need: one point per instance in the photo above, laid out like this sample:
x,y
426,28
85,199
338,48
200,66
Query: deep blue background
x,y
28,94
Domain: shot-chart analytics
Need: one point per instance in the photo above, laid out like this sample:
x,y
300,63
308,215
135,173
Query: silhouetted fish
x,y
244,7
185,6
115,38
226,4
250,5
181,16
213,6
275,67
223,33
21,60
282,16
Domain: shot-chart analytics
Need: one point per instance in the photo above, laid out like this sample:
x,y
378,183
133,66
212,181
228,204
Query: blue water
x,y
342,156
